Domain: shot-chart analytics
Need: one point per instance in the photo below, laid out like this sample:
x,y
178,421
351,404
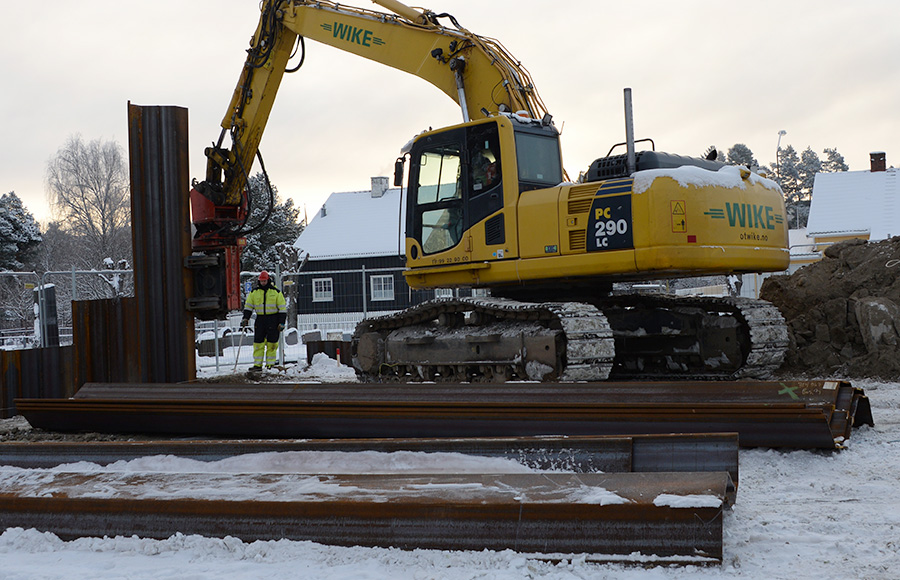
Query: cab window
x,y
484,158
439,199
539,160
439,175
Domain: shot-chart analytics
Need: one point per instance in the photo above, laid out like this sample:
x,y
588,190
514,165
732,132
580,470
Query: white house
x,y
855,204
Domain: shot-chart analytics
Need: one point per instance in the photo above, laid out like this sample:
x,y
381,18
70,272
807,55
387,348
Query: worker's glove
x,y
280,327
244,323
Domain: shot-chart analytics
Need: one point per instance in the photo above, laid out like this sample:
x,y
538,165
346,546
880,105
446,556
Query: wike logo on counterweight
x,y
352,34
747,215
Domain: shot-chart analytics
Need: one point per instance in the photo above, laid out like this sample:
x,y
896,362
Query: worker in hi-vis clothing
x,y
267,302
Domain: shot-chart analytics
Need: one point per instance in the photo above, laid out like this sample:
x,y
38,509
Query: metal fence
x,y
73,285
222,346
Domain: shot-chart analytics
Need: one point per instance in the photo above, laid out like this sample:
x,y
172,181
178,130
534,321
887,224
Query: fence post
x,y
216,342
41,313
280,284
365,309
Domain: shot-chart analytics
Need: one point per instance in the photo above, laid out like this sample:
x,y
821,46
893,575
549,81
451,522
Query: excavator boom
x,y
476,72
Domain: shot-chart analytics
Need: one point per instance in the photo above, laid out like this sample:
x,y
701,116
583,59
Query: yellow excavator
x,y
489,205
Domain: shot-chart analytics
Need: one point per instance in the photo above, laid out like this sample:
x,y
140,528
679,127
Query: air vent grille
x,y
578,240
494,231
580,205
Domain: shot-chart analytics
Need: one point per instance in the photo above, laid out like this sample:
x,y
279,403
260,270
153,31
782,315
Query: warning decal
x,y
679,223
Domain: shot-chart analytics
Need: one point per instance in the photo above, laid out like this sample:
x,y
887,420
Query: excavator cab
x,y
464,182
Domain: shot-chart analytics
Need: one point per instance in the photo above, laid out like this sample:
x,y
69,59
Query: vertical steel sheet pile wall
x,y
106,344
36,373
161,232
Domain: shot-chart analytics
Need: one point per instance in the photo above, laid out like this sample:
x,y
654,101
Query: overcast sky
x,y
702,73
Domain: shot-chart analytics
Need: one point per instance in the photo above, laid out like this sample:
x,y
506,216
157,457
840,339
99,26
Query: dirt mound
x,y
843,312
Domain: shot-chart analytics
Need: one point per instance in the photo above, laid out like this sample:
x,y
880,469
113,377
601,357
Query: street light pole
x,y
781,134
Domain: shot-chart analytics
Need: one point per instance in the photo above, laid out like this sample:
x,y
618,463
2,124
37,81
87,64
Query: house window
x,y
382,287
443,293
323,290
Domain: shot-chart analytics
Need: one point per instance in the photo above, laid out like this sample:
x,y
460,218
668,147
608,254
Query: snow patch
x,y
728,177
687,501
596,495
537,371
323,368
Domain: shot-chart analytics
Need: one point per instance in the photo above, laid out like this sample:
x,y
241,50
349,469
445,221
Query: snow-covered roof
x,y
355,225
855,202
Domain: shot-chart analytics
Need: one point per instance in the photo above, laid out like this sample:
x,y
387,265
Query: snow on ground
x,y
296,370
799,515
322,369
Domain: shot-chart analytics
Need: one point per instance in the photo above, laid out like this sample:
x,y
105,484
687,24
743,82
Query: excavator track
x,y
635,337
486,339
695,337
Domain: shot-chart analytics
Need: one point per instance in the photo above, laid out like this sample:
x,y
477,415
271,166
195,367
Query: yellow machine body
x,y
660,223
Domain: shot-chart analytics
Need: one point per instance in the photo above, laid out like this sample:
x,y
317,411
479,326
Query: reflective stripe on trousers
x,y
265,350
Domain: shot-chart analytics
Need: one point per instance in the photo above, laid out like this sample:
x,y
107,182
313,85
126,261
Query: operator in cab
x,y
268,303
484,171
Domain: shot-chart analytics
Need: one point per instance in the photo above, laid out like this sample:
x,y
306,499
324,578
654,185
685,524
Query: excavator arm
x,y
477,72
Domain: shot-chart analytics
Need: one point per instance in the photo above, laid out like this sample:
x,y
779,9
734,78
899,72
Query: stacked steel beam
x,y
658,496
797,414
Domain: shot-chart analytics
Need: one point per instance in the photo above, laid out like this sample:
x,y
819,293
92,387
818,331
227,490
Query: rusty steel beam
x,y
161,234
826,410
803,414
712,452
664,514
813,392
785,425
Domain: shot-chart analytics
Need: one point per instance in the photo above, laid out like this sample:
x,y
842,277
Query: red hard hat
x,y
263,276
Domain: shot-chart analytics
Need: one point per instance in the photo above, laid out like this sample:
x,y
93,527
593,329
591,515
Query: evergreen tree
x,y
740,154
273,243
712,154
807,169
20,235
834,161
787,173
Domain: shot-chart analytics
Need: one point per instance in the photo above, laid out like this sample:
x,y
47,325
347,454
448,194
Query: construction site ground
x,y
799,514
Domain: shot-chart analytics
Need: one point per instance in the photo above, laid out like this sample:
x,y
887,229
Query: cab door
x,y
456,197
436,217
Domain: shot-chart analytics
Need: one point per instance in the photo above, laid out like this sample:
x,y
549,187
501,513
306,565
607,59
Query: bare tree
x,y
88,189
